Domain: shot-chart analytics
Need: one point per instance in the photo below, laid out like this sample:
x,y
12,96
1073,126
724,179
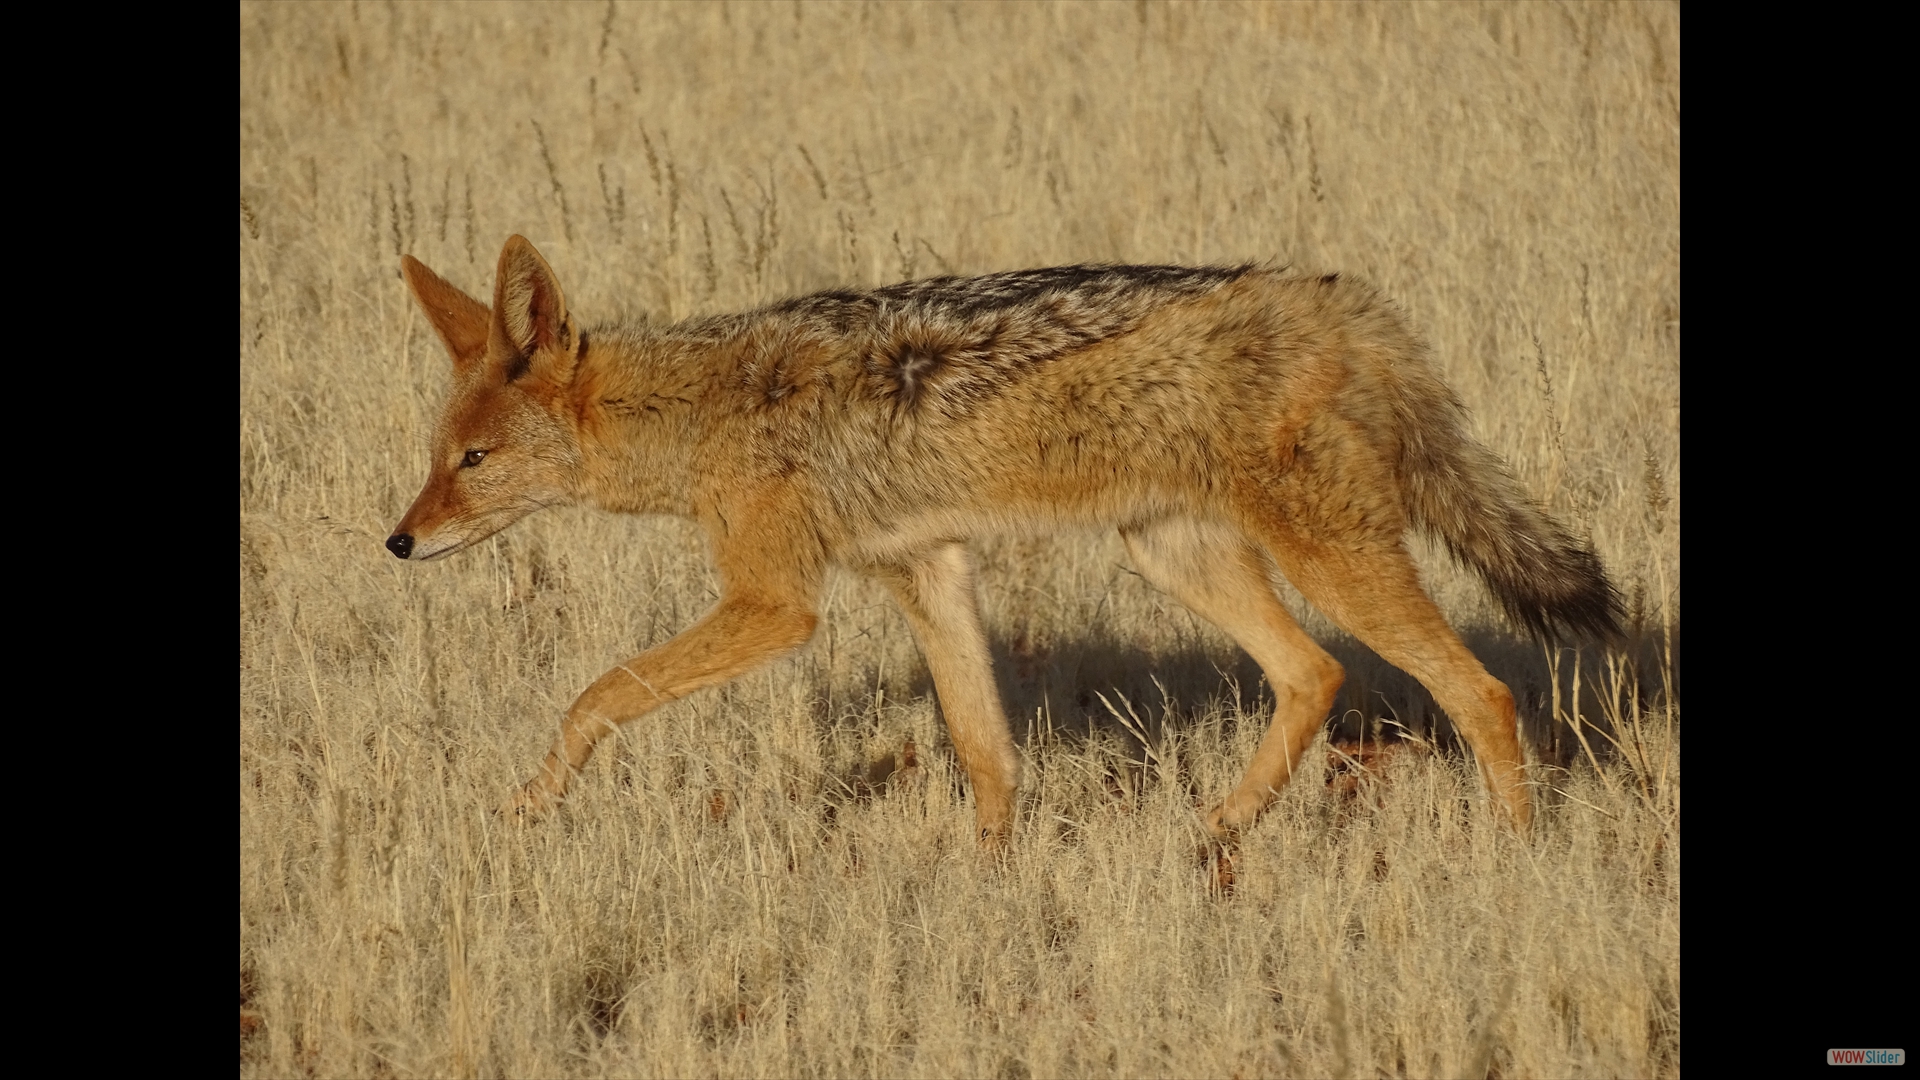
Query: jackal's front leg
x,y
937,594
743,632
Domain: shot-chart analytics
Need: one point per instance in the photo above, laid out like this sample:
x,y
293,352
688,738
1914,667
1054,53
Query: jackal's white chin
x,y
438,548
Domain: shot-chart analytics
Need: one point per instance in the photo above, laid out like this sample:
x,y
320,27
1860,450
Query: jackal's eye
x,y
472,458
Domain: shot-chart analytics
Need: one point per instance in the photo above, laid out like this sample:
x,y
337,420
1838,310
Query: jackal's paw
x,y
1223,831
993,838
530,802
1217,865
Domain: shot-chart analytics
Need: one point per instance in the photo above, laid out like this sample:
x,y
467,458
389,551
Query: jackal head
x,y
507,444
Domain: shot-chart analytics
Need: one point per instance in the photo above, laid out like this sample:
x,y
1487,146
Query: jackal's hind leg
x,y
1371,588
936,592
740,634
1221,576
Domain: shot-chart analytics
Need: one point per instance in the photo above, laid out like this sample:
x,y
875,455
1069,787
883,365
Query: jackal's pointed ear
x,y
462,322
532,331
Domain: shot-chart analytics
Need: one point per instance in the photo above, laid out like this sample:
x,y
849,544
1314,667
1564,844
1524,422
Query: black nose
x,y
401,544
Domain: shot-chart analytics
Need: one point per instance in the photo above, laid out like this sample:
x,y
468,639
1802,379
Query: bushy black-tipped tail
x,y
1548,582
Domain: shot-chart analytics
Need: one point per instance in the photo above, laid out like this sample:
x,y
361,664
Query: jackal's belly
x,y
1030,505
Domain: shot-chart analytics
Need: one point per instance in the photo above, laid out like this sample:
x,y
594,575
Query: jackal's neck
x,y
639,399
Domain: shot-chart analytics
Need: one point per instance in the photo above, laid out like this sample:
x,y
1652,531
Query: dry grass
x,y
751,882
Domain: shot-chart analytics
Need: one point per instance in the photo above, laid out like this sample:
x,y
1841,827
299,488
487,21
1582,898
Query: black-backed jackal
x,y
1230,422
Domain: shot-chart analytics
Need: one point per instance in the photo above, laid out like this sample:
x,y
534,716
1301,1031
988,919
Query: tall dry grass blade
x,y
1571,716
1339,1034
553,177
1134,725
1485,1037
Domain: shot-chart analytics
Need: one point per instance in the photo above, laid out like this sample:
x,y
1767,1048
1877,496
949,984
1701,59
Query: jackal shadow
x,y
1096,687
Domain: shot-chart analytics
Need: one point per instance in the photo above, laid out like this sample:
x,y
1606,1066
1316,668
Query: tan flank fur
x,y
1230,422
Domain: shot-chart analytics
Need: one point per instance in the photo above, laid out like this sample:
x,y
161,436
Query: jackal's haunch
x,y
1230,422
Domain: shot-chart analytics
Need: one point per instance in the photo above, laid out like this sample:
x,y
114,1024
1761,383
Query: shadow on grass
x,y
1073,689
